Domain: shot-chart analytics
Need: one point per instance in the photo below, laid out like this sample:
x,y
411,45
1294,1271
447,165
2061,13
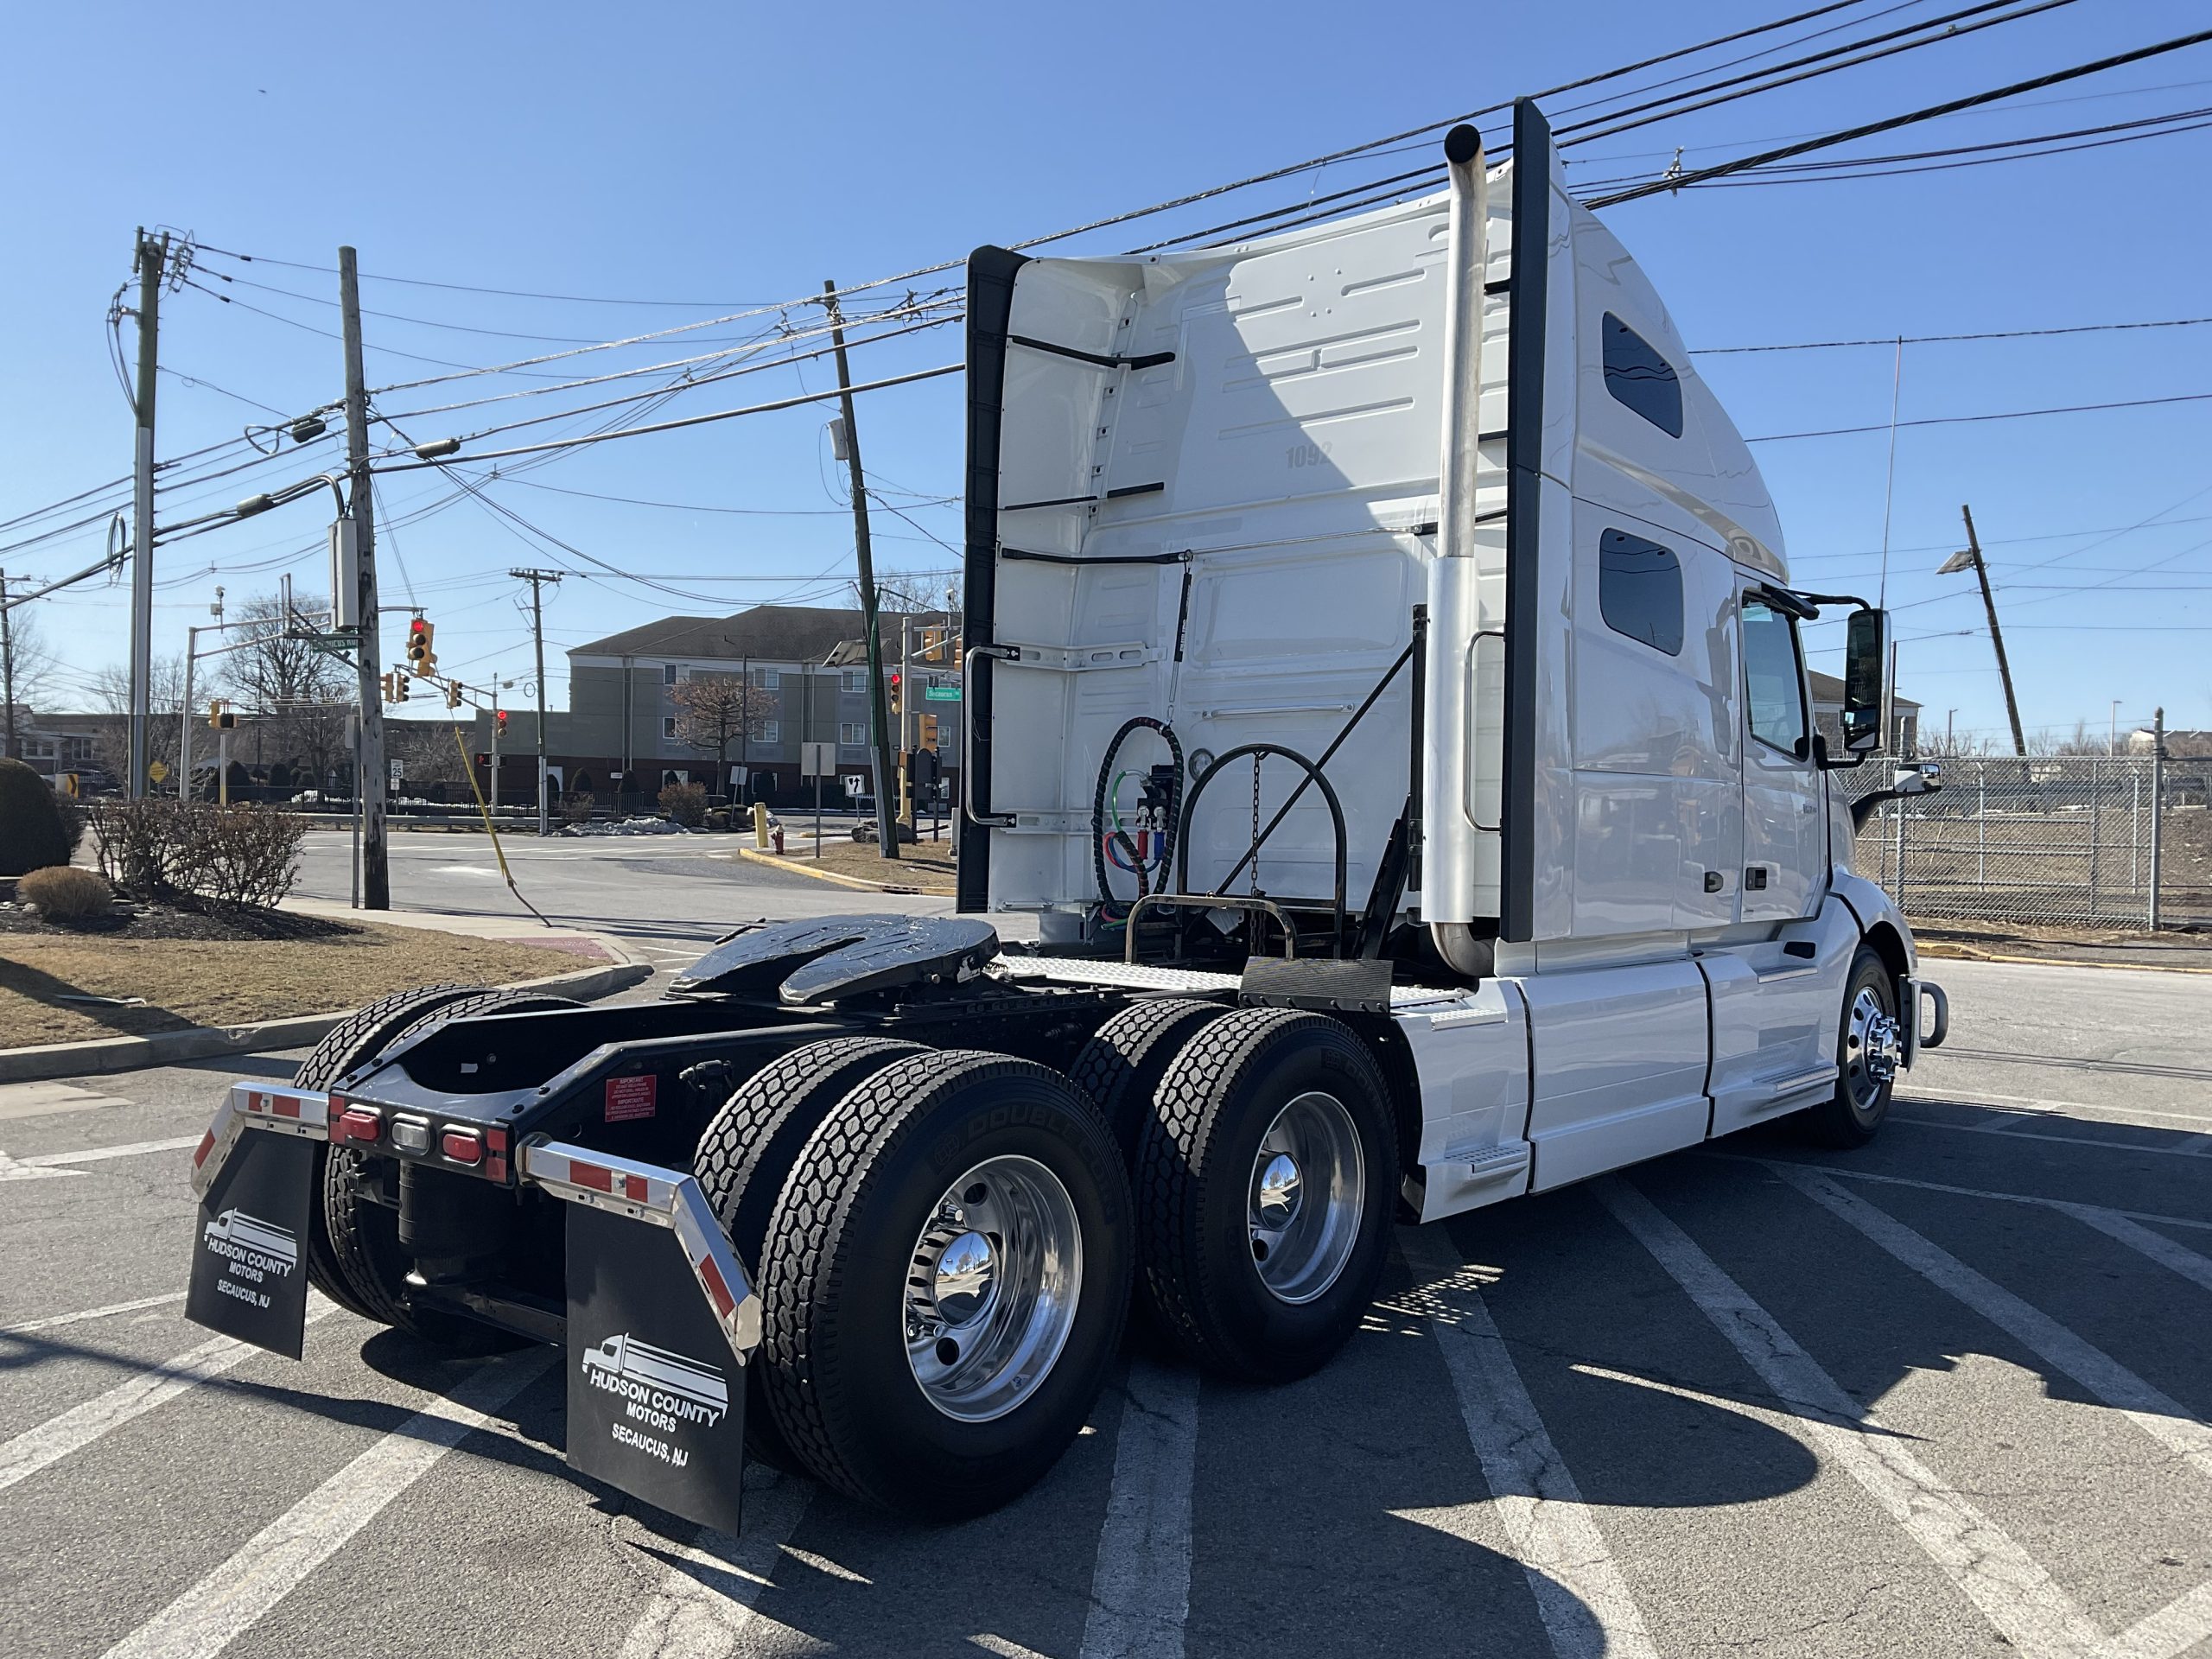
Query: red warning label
x,y
630,1097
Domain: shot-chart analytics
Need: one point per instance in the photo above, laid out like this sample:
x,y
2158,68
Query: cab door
x,y
1785,842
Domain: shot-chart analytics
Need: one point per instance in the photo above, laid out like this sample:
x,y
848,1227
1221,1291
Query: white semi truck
x,y
1385,690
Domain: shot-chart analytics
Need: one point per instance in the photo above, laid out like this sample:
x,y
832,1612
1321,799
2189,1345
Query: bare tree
x,y
300,691
165,700
27,664
714,711
427,750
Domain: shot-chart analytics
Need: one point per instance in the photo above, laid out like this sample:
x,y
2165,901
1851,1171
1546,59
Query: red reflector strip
x,y
591,1175
495,1140
717,1291
635,1188
288,1106
461,1147
206,1145
496,1167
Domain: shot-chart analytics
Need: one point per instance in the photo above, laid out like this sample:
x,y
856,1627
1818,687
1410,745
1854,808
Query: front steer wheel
x,y
945,1278
1869,1046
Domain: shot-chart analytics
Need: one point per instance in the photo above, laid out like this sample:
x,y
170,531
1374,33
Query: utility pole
x,y
372,782
151,263
879,708
1996,634
538,579
8,666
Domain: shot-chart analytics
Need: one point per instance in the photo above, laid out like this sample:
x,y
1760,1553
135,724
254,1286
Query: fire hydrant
x,y
776,835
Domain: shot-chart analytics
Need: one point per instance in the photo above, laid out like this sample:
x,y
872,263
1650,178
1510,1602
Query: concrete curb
x,y
1943,952
46,1061
838,876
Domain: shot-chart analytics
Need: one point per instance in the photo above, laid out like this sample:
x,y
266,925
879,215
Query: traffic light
x,y
422,661
892,684
499,722
395,687
453,694
219,718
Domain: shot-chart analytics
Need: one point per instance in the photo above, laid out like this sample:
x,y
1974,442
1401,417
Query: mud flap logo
x,y
247,1278
655,1404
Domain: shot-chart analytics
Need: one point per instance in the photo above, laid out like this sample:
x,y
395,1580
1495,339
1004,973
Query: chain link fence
x,y
2113,841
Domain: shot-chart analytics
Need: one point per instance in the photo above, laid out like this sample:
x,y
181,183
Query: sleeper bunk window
x,y
1640,590
1640,378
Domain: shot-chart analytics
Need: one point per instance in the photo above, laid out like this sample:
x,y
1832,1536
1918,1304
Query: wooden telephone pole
x,y
887,780
374,784
1996,634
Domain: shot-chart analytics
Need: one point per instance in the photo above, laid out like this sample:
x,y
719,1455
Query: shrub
x,y
65,894
684,804
578,809
233,854
31,836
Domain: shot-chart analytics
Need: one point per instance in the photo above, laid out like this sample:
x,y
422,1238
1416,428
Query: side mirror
x,y
1865,653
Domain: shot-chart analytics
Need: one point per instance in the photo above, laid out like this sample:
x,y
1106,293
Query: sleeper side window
x,y
1639,377
1640,590
1774,689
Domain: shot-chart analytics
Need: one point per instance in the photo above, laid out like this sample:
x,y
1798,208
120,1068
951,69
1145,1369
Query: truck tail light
x,y
461,1146
410,1135
362,1123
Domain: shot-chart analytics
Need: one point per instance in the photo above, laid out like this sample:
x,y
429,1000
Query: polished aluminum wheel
x,y
1873,1046
1308,1184
992,1287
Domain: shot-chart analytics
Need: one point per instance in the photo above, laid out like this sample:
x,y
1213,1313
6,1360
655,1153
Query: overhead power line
x,y
1931,339
2000,415
1910,117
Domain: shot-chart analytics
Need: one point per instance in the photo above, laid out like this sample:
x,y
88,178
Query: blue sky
x,y
728,156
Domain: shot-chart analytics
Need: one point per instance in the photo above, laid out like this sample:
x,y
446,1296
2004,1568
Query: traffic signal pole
x,y
372,785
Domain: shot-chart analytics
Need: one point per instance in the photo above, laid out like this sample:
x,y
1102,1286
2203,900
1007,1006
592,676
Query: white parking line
x,y
1580,1594
1842,1174
705,1608
269,1566
48,1166
2160,1248
56,1437
54,1320
2185,1148
1140,1586
2014,1593
2151,1409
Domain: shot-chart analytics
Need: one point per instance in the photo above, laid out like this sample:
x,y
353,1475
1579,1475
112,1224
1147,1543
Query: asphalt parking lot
x,y
1946,1395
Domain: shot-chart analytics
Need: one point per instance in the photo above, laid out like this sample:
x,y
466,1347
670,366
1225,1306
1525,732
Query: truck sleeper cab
x,y
1385,688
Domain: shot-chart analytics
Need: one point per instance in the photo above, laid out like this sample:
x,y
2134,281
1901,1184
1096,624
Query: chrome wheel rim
x,y
1872,1047
991,1288
1303,1204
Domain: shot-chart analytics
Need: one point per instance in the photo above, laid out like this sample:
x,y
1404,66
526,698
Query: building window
x,y
1640,378
1640,590
767,731
856,681
668,673
852,734
668,726
1774,684
768,679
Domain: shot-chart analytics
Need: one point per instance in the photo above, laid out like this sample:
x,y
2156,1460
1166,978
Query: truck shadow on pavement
x,y
124,1021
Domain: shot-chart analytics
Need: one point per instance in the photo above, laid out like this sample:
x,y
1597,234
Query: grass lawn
x,y
233,982
925,866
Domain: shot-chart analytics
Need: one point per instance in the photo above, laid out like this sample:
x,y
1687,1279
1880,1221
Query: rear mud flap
x,y
660,1315
250,1242
661,1320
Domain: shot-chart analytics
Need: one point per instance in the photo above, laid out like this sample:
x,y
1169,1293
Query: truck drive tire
x,y
1868,1042
1265,1186
1122,1064
357,1038
945,1278
364,1236
748,1150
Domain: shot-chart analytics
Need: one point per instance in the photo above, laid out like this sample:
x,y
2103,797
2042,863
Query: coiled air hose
x,y
1099,833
